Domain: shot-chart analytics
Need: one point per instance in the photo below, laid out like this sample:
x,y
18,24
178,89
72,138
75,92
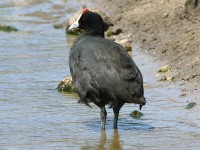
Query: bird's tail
x,y
85,101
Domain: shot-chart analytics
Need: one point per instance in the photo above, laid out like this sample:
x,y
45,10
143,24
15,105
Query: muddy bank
x,y
168,30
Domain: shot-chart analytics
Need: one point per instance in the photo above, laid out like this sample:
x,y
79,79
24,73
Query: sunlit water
x,y
33,115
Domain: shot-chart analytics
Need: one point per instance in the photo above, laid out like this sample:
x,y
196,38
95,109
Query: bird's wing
x,y
132,78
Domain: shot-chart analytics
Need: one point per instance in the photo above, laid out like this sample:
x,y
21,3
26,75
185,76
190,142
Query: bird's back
x,y
103,68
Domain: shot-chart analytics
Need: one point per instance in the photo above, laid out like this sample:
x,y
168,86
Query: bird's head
x,y
89,21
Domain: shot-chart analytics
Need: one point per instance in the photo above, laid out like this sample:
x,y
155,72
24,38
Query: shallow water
x,y
33,115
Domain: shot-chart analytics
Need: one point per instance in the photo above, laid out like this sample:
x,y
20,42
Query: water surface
x,y
33,115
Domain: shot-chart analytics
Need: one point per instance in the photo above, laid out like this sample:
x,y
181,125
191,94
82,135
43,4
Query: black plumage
x,y
102,71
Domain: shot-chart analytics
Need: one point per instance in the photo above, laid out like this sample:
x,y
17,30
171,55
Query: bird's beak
x,y
75,24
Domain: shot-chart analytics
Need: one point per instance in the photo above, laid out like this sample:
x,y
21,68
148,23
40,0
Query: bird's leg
x,y
116,109
116,114
103,117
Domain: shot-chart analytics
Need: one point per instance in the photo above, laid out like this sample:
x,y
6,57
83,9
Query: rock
x,y
146,29
106,19
116,32
109,33
192,6
128,48
58,26
164,51
165,68
7,28
184,90
183,95
145,85
189,77
126,44
136,114
66,85
166,78
191,3
190,105
165,15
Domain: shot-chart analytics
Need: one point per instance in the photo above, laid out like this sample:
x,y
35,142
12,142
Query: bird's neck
x,y
95,30
94,33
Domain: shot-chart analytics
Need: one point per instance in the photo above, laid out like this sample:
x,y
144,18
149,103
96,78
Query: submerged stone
x,y
58,26
127,44
190,105
136,114
165,68
66,85
7,28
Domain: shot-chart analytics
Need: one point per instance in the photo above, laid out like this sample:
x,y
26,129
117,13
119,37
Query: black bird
x,y
102,71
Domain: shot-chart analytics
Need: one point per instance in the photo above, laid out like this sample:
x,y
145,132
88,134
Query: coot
x,y
102,71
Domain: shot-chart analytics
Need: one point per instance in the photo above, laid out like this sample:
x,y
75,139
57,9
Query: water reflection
x,y
102,141
105,143
115,145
